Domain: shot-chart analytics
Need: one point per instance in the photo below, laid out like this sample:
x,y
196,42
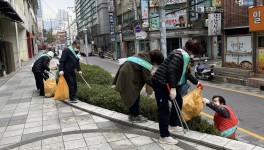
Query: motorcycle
x,y
203,72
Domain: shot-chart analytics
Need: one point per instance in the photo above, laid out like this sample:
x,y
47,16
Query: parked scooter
x,y
203,72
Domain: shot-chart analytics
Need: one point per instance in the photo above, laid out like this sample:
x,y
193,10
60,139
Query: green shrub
x,y
95,75
106,97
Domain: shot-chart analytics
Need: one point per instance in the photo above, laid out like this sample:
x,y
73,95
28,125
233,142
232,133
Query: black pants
x,y
72,84
134,109
39,82
166,119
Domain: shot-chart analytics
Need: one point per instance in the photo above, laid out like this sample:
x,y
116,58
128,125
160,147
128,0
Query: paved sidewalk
x,y
28,121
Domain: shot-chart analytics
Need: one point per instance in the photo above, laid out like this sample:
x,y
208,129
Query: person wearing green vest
x,y
69,62
39,68
132,75
169,83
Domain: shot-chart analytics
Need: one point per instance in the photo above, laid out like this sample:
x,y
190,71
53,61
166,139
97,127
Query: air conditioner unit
x,y
118,2
200,9
206,23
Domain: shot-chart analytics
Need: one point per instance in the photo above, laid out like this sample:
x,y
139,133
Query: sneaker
x,y
74,101
175,128
168,140
138,119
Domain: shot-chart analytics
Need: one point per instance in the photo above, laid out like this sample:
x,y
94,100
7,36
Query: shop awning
x,y
9,11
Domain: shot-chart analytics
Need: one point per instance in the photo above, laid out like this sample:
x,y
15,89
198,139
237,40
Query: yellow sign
x,y
256,18
261,59
216,3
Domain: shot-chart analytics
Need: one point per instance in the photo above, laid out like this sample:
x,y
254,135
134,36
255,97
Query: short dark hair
x,y
156,56
221,99
194,46
75,42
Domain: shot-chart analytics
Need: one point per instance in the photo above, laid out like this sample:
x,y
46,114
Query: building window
x,y
261,41
119,19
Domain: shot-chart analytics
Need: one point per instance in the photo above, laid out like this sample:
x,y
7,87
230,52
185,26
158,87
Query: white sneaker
x,y
175,128
168,140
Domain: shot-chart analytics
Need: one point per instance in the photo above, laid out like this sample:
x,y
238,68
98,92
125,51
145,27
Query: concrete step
x,y
233,72
231,80
255,82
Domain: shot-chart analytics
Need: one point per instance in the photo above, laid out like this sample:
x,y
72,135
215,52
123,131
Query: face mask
x,y
217,103
192,56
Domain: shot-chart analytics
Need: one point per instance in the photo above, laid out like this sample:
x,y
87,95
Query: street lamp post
x,y
86,43
163,35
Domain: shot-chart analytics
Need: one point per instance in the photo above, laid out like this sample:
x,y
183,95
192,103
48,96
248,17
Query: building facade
x,y
93,15
18,27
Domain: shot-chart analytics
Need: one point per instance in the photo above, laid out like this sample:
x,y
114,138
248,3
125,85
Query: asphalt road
x,y
249,108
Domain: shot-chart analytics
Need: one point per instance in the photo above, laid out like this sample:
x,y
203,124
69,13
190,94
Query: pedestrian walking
x,y
39,69
225,119
132,76
169,82
69,61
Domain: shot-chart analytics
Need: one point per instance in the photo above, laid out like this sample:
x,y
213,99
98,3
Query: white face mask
x,y
217,103
192,56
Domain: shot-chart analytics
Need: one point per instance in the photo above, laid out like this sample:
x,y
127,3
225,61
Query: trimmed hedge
x,y
103,95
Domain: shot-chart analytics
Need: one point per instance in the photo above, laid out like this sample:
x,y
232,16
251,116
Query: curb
x,y
208,140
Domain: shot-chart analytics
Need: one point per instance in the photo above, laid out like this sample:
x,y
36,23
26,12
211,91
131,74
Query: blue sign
x,y
193,10
248,2
137,29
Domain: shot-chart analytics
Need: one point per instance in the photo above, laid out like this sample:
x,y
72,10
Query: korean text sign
x,y
256,18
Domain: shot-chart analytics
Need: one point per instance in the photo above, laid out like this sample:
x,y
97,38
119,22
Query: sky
x,y
50,7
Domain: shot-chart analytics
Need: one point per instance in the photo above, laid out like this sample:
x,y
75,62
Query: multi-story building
x,y
93,15
40,22
18,26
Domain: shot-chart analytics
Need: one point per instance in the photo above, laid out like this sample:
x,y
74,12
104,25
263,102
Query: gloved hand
x,y
61,73
173,93
206,101
46,71
200,86
80,72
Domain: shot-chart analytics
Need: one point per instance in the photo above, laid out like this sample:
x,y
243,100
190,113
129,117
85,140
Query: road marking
x,y
240,129
227,89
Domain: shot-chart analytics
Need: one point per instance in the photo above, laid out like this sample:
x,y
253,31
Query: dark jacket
x,y
170,71
131,78
41,64
68,62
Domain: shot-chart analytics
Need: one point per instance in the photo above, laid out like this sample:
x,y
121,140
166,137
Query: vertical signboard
x,y
261,59
214,24
144,9
256,18
193,10
111,9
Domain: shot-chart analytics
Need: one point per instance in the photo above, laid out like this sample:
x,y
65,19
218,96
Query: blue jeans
x,y
166,118
134,109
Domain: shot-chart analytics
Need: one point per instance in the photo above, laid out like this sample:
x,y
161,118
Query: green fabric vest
x,y
186,59
73,52
42,56
140,62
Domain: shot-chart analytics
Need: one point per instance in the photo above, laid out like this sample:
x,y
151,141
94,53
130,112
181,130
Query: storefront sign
x,y
112,23
170,2
141,35
193,10
214,24
127,32
239,52
256,18
145,12
111,6
216,3
174,20
248,3
261,59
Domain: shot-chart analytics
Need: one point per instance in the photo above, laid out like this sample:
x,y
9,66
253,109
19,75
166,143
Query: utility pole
x,y
254,44
163,34
136,18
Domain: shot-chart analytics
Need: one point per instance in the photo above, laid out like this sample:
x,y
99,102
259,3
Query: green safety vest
x,y
140,62
42,56
186,59
73,52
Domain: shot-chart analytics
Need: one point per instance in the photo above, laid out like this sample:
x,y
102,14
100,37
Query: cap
x,y
51,54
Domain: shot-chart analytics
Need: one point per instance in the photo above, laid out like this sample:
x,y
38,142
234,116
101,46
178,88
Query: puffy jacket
x,y
41,64
68,62
170,71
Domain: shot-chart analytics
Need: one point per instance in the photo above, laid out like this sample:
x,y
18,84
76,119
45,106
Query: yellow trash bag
x,y
50,87
192,104
62,91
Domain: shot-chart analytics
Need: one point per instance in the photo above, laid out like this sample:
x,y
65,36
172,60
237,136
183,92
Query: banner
x,y
174,20
144,9
214,24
